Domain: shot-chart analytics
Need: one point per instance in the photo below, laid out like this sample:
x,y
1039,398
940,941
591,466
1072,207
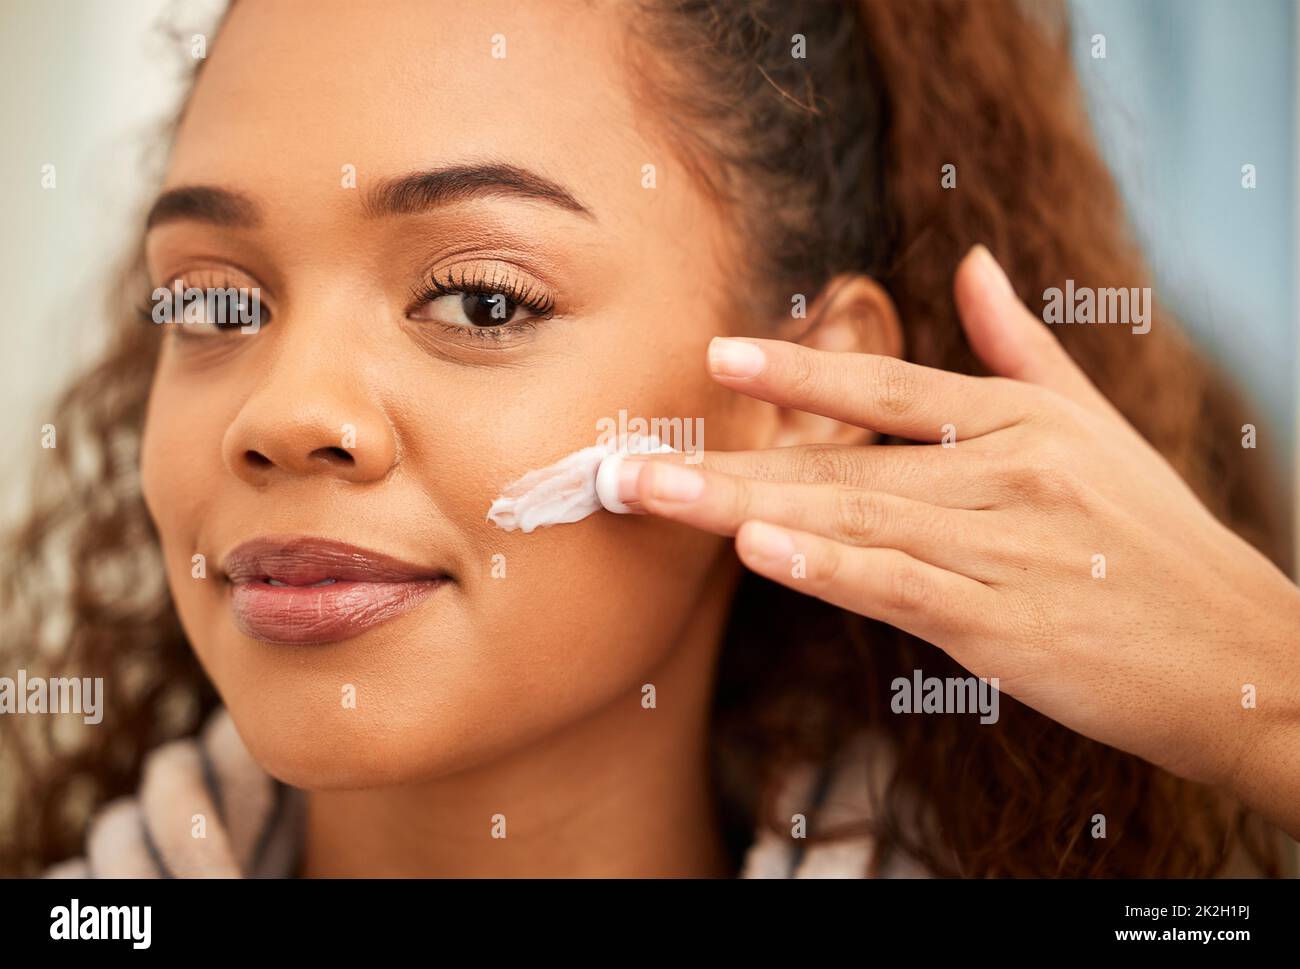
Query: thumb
x,y
1009,339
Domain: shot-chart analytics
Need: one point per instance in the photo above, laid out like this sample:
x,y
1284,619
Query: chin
x,y
317,748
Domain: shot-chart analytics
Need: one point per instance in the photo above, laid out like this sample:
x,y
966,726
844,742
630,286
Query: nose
x,y
308,417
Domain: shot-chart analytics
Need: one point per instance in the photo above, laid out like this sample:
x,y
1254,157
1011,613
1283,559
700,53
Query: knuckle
x,y
895,388
1058,484
1027,480
1007,476
826,464
826,568
1046,476
743,501
857,512
905,587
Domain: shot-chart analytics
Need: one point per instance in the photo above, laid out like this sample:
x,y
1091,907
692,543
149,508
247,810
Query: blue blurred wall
x,y
1190,91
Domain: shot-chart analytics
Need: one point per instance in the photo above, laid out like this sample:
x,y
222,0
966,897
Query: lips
x,y
308,590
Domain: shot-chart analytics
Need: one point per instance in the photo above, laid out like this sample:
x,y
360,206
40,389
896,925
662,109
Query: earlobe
x,y
852,314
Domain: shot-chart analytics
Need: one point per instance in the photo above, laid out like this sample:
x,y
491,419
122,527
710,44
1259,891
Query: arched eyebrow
x,y
203,203
419,191
401,195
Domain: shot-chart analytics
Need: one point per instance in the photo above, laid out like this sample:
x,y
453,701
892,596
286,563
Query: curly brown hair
x,y
829,163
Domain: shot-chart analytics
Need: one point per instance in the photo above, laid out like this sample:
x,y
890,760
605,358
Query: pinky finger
x,y
881,583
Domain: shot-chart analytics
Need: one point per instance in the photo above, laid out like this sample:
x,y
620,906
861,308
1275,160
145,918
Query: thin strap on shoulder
x,y
822,785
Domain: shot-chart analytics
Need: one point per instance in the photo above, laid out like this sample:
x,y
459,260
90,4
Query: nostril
x,y
333,455
257,459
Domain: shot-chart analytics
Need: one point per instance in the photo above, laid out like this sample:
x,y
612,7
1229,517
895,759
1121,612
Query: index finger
x,y
868,390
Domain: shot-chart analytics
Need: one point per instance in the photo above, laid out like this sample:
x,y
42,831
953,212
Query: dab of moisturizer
x,y
572,488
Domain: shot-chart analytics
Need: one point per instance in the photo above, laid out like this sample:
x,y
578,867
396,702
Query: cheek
x,y
179,444
575,613
163,462
180,473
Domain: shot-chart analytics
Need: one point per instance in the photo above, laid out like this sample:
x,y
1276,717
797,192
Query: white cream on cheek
x,y
570,489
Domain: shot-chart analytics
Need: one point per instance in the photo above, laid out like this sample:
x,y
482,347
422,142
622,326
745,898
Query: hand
x,y
1048,545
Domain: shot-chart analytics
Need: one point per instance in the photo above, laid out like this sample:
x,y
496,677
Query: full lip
x,y
295,589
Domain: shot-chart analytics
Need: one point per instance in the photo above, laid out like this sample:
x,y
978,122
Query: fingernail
x,y
628,473
672,482
992,271
616,484
768,542
735,358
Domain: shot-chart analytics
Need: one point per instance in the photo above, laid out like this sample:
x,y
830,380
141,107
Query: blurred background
x,y
1189,91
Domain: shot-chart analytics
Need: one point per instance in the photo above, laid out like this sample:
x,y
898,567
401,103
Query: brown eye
x,y
204,311
477,311
488,303
487,309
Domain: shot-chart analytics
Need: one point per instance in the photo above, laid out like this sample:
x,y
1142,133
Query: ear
x,y
852,314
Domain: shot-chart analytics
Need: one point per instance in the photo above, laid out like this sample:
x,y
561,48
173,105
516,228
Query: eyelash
x,y
220,279
483,282
479,281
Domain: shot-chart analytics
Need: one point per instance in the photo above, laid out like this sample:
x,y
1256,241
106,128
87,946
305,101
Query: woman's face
x,y
370,411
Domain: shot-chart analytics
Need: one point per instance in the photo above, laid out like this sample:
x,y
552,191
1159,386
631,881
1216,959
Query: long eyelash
x,y
142,310
527,296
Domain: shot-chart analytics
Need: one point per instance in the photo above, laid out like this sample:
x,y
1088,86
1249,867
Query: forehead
x,y
292,92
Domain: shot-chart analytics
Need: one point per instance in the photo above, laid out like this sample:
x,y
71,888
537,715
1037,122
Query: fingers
x,y
882,393
951,538
1010,340
951,477
881,583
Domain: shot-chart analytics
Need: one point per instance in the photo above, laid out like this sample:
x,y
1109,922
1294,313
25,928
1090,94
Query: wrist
x,y
1266,775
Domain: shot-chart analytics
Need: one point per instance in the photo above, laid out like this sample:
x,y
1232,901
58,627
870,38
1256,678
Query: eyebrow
x,y
203,203
402,195
419,191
